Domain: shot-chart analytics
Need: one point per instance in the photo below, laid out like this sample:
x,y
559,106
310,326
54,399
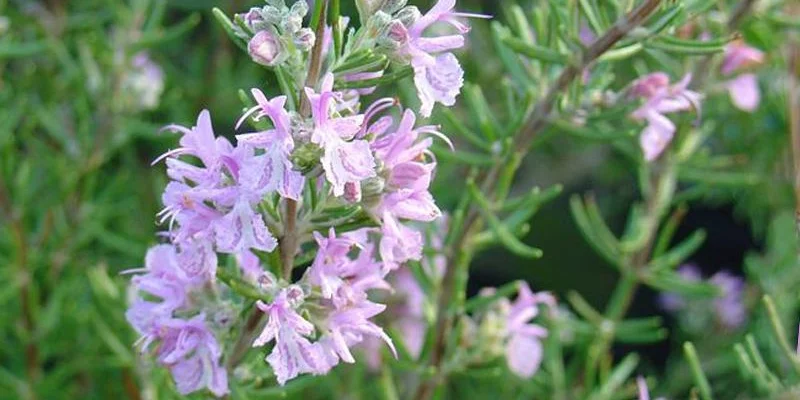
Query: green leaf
x,y
617,378
228,27
697,371
535,52
679,253
501,231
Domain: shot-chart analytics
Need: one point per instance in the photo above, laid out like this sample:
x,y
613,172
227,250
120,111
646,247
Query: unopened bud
x,y
394,36
352,192
393,6
409,15
264,48
299,9
378,22
295,295
304,39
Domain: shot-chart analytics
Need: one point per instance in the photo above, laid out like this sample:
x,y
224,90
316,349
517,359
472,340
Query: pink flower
x,y
192,354
293,353
399,243
408,178
243,229
437,74
350,325
524,347
660,99
738,55
331,257
744,92
345,159
272,171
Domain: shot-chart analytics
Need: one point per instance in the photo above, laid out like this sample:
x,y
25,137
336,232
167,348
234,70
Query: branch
x,y
458,257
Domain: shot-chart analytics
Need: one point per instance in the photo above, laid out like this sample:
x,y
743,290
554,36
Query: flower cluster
x,y
166,309
437,74
355,177
728,309
661,98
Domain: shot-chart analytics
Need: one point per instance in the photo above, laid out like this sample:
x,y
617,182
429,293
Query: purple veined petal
x,y
243,229
440,9
347,127
440,43
413,205
347,162
744,92
524,355
293,355
291,186
439,80
399,242
411,175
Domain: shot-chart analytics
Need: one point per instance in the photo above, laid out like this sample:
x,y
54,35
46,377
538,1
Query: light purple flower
x,y
644,392
673,302
524,347
293,353
738,55
729,308
273,170
744,92
331,257
399,243
350,325
243,229
437,74
345,159
407,177
661,99
265,48
192,354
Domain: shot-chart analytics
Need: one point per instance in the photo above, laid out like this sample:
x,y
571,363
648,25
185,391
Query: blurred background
x,y
86,85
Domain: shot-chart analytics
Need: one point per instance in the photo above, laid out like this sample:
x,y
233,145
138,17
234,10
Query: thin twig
x,y
289,241
458,256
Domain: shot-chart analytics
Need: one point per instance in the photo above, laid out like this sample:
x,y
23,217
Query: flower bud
x,y
272,15
378,22
299,9
352,192
394,36
393,6
264,48
304,39
295,295
253,19
408,15
291,23
373,187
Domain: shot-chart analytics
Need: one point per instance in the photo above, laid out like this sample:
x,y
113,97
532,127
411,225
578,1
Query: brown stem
x,y
458,255
289,241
